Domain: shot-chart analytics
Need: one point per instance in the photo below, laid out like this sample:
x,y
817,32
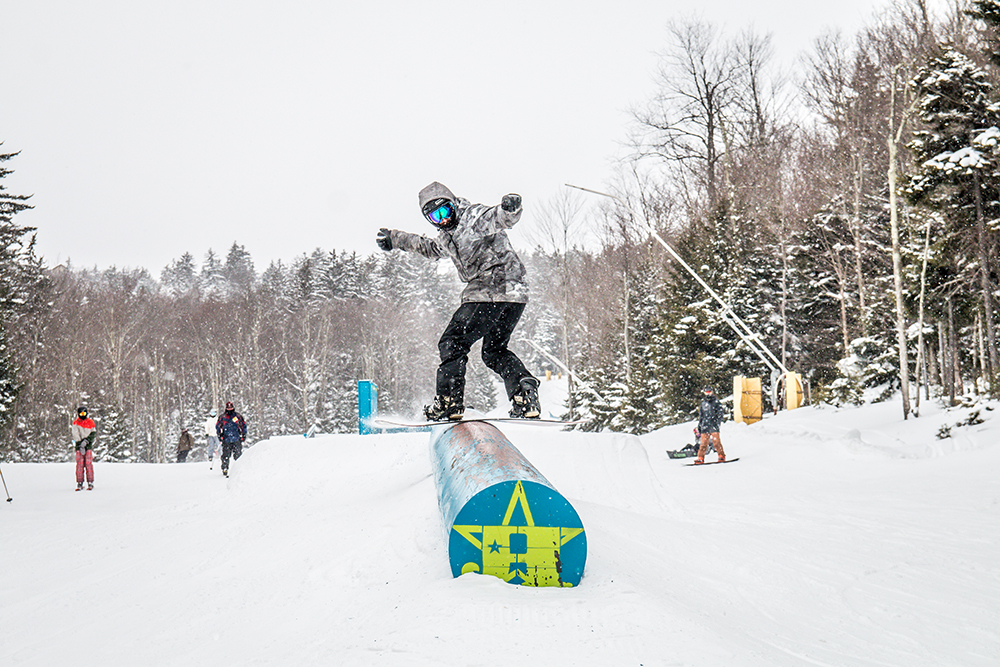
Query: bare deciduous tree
x,y
683,125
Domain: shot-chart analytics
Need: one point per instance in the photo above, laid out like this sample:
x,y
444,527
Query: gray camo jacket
x,y
478,246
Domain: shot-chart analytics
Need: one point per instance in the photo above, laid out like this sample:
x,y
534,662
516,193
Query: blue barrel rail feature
x,y
503,517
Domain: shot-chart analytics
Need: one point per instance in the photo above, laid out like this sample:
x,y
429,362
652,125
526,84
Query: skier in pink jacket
x,y
83,431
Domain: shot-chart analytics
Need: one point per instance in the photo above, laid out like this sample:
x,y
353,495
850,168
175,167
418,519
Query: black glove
x,y
511,202
384,240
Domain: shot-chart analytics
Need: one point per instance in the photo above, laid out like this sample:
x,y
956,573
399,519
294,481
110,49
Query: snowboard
x,y
385,423
712,463
681,453
687,451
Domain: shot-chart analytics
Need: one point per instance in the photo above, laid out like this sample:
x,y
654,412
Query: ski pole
x,y
5,486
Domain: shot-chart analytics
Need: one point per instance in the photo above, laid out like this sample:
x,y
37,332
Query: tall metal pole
x,y
742,329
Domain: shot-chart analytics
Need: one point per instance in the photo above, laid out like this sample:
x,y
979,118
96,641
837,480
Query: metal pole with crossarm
x,y
742,329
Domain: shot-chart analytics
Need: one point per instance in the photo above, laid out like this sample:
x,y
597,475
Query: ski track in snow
x,y
841,537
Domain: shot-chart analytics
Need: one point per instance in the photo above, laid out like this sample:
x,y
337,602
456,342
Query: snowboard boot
x,y
444,408
79,486
700,459
525,403
90,486
722,458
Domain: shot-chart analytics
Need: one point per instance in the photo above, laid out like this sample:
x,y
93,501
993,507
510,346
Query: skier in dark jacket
x,y
184,445
710,417
474,236
232,431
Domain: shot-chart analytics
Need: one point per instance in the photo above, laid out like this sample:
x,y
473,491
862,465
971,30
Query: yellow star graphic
x,y
527,555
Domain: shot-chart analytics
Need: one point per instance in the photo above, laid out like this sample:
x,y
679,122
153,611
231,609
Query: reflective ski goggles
x,y
441,214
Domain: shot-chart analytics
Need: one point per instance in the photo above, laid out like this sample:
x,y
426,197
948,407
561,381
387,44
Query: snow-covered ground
x,y
841,537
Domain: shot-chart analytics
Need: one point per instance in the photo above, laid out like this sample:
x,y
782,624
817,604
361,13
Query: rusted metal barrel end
x,y
503,517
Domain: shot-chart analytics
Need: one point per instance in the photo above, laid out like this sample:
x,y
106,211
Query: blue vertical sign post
x,y
368,412
367,406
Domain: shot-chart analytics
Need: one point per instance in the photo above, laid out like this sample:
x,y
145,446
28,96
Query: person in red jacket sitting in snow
x,y
83,433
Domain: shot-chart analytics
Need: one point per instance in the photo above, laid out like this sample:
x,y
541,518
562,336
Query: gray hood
x,y
436,191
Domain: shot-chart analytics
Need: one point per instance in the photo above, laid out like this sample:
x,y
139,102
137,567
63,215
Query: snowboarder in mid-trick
x,y
475,237
710,416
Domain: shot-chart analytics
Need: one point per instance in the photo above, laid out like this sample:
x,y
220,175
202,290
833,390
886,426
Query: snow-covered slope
x,y
841,537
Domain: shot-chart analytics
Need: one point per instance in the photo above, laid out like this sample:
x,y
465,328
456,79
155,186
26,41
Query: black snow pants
x,y
494,323
234,449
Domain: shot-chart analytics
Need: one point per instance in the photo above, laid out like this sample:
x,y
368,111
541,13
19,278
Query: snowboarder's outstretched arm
x,y
510,210
489,220
393,239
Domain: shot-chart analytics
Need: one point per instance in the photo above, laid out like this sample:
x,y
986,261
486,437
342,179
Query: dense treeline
x,y
850,218
287,346
858,239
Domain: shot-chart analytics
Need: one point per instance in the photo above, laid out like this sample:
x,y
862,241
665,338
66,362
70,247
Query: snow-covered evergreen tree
x,y
736,257
824,310
276,284
642,404
19,275
305,280
238,269
957,174
988,11
180,276
601,363
114,442
9,385
956,107
212,280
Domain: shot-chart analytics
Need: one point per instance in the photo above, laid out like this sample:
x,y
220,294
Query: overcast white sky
x,y
148,129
